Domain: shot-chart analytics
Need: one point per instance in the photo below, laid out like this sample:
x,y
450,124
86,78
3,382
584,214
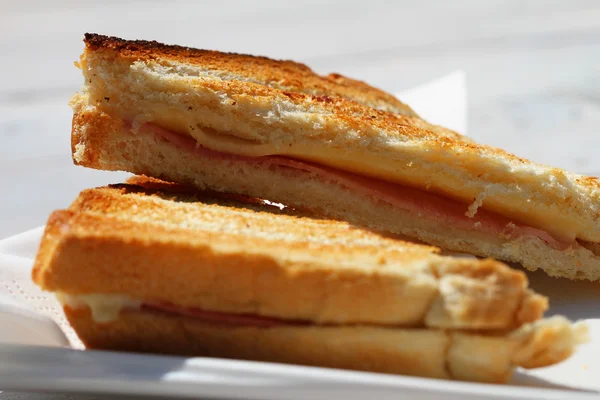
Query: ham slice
x,y
221,318
444,210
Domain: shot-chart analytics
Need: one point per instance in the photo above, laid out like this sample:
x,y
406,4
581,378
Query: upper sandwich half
x,y
276,130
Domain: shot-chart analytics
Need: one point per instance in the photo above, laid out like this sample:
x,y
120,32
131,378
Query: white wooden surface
x,y
533,72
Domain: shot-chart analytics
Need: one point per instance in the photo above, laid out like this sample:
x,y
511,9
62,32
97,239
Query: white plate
x,y
29,317
55,368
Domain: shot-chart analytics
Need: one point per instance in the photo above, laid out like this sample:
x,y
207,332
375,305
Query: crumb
x,y
474,206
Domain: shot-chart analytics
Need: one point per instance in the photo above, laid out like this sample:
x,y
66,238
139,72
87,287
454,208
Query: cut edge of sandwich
x,y
104,141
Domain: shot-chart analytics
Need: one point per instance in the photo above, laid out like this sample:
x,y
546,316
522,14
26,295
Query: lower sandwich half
x,y
144,268
107,142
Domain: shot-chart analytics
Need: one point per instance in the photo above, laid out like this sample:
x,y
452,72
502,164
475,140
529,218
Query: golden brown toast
x,y
158,267
254,107
284,75
281,264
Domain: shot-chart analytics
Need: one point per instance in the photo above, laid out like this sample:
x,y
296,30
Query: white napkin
x,y
441,102
30,316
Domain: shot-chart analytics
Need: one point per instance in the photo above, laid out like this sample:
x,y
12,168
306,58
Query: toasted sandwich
x,y
276,130
155,267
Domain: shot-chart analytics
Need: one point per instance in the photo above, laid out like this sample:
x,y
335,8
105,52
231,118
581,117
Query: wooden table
x,y
533,73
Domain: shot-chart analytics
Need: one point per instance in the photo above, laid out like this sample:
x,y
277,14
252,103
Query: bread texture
x,y
190,252
104,141
283,75
422,352
258,106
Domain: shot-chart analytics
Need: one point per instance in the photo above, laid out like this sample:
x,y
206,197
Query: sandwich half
x,y
154,267
276,130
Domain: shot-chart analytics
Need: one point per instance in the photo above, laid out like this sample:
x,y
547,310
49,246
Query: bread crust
x,y
285,75
420,352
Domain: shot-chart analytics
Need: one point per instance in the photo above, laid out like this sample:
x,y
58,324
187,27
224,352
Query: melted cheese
x,y
358,161
104,307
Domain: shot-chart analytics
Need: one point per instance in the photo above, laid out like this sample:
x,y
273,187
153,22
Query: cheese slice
x,y
104,307
400,168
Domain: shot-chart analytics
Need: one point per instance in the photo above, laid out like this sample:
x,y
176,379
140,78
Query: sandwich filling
x,y
106,308
442,210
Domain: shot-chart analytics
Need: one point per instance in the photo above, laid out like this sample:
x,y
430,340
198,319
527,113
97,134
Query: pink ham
x,y
221,318
444,210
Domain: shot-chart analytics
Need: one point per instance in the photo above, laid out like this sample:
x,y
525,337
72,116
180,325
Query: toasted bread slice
x,y
240,259
433,353
255,107
158,267
103,141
